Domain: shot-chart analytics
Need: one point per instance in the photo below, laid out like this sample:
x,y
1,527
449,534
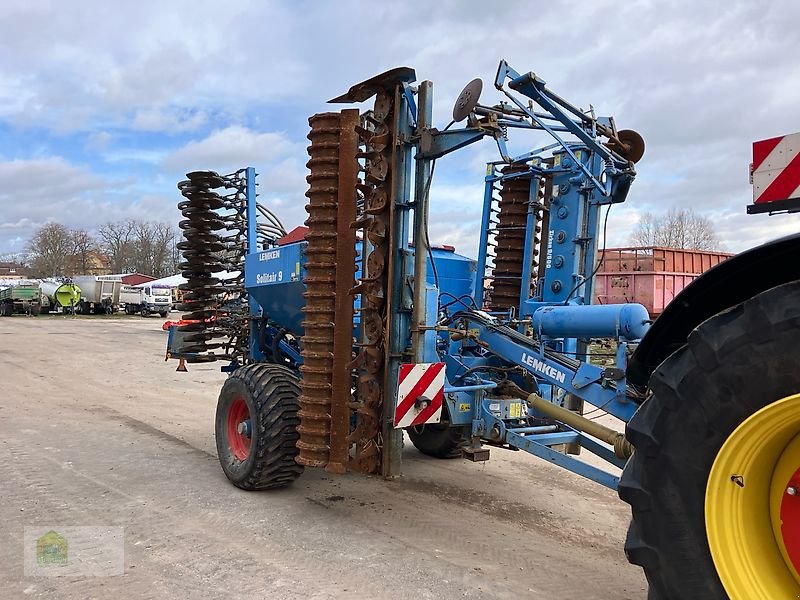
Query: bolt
x,y
243,428
791,490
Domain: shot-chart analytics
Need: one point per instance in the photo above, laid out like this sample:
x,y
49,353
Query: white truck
x,y
145,299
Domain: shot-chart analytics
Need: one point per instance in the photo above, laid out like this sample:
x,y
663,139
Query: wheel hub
x,y
239,433
752,519
785,503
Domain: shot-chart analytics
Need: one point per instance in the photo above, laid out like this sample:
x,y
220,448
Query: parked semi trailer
x,y
99,294
145,300
324,373
20,299
651,276
65,295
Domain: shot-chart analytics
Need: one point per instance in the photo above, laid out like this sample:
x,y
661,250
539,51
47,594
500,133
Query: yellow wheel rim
x,y
751,515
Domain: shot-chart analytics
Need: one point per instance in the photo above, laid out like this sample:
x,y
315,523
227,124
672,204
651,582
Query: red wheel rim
x,y
239,442
790,519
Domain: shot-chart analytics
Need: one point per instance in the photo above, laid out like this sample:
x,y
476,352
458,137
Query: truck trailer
x,y
99,295
21,299
56,294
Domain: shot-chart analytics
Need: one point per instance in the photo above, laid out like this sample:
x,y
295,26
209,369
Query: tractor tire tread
x,y
700,394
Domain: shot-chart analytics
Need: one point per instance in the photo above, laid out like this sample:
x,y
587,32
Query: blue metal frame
x,y
586,176
252,248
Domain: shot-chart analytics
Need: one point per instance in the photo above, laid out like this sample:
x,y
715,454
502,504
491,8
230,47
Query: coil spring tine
x,y
206,251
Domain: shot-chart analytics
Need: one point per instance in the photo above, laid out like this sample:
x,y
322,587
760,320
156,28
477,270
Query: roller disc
x,y
632,145
467,100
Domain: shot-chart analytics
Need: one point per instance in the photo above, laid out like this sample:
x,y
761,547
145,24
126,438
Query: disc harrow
x,y
377,135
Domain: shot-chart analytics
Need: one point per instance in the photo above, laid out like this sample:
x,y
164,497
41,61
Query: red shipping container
x,y
651,276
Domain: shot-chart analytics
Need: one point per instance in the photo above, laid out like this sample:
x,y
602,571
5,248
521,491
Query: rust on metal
x,y
376,133
320,306
510,239
341,381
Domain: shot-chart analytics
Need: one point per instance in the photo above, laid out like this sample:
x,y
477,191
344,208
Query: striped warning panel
x,y
420,394
775,172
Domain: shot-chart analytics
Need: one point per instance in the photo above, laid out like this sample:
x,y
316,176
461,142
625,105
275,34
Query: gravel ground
x,y
97,431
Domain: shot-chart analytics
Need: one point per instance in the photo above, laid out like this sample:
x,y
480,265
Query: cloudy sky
x,y
104,105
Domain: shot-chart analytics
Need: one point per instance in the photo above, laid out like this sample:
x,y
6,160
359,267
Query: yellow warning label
x,y
463,407
556,160
515,410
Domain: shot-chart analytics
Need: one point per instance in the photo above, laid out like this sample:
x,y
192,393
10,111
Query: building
x,y
94,263
13,270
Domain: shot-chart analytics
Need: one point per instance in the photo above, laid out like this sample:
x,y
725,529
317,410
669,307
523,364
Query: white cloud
x,y
698,82
98,140
168,119
226,150
230,148
35,192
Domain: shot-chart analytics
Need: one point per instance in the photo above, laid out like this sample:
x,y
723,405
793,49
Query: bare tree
x,y
677,228
175,255
116,239
50,248
83,245
141,246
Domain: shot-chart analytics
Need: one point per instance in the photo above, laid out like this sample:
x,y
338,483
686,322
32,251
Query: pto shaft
x,y
622,447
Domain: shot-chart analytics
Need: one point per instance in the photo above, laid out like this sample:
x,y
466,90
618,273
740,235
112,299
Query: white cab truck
x,y
145,299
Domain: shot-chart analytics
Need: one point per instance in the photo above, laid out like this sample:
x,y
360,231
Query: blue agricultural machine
x,y
340,336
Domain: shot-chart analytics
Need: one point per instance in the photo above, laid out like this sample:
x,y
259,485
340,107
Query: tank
x,y
60,294
274,279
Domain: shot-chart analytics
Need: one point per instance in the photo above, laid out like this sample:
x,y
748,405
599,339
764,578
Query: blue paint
x,y
628,321
546,339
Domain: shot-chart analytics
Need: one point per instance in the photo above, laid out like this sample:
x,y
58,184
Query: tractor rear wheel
x,y
439,440
256,427
714,483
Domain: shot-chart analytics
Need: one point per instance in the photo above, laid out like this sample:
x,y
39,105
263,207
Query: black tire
x,y
439,440
271,393
163,314
36,310
733,364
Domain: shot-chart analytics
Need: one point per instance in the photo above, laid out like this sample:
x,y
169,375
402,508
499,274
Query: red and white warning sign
x,y
420,394
775,172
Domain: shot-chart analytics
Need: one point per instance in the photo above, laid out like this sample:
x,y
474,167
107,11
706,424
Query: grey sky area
x,y
103,105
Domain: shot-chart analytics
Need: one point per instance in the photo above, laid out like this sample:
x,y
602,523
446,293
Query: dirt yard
x,y
97,430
